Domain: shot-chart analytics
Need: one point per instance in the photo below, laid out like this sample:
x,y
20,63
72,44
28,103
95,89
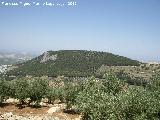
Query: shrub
x,y
5,90
22,90
37,90
112,84
2,90
106,100
137,104
71,91
96,101
90,99
61,94
155,83
51,95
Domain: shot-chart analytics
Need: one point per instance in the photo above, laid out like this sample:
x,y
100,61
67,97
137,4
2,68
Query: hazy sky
x,y
126,27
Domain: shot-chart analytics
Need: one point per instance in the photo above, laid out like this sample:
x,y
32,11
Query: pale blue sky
x,y
126,27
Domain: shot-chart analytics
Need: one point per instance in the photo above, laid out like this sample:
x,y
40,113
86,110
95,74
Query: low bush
x,y
37,90
52,94
2,90
21,90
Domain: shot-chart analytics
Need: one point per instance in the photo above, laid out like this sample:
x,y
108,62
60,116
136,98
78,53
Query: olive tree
x,y
37,89
21,90
2,90
108,100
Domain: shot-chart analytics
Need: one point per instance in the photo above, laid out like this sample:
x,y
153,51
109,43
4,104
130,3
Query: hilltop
x,y
71,63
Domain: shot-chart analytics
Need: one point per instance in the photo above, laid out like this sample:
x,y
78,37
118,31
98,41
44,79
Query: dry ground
x,y
27,111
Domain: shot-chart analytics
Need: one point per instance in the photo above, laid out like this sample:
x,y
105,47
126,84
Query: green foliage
x,y
155,83
11,87
21,90
138,81
3,90
37,89
61,94
154,87
71,63
53,94
98,97
70,94
108,100
136,104
50,95
112,84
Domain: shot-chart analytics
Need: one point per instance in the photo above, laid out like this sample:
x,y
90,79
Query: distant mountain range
x,y
8,58
71,63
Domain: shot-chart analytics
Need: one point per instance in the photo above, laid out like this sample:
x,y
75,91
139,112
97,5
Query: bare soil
x,y
10,107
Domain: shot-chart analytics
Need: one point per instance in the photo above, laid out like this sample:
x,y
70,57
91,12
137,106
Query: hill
x,y
71,63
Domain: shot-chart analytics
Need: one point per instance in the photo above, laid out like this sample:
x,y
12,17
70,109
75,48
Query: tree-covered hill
x,y
80,63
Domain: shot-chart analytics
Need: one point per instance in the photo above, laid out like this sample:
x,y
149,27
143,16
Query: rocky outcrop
x,y
12,100
46,57
55,108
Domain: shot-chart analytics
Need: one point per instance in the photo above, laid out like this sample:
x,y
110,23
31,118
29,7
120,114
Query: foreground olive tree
x,y
97,99
3,90
71,91
21,90
37,90
110,99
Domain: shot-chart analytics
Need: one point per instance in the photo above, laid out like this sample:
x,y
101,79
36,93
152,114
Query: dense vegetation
x,y
70,63
110,98
144,71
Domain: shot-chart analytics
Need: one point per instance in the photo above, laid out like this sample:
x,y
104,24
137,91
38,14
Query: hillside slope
x,y
70,63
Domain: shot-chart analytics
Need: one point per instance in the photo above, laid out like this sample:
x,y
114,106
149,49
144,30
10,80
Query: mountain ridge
x,y
70,63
